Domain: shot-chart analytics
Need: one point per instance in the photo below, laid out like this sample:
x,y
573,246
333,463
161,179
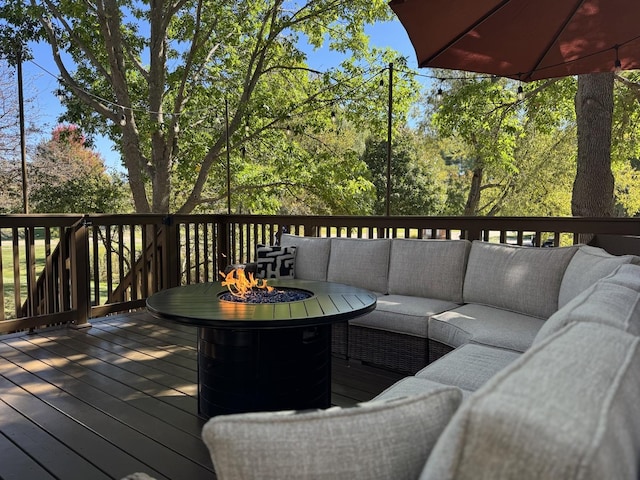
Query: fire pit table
x,y
262,356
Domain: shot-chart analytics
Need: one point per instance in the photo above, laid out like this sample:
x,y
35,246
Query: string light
x,y
123,118
520,94
439,94
617,65
617,68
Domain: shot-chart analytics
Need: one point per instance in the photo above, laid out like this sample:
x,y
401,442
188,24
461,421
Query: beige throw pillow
x,y
376,440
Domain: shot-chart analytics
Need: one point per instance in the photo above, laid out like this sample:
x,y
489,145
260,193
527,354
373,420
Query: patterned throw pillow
x,y
275,262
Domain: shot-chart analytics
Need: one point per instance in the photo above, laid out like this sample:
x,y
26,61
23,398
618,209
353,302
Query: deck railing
x,y
59,269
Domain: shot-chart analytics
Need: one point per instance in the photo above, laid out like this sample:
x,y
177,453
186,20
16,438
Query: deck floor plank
x,y
117,408
116,421
176,391
116,398
67,448
137,360
176,346
129,343
112,380
142,374
21,465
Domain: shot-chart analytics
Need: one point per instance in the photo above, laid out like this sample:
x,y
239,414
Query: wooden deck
x,y
117,398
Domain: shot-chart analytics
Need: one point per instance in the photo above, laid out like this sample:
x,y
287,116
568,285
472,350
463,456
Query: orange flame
x,y
240,284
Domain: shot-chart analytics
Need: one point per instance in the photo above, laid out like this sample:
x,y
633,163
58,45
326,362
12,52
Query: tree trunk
x,y
473,199
593,186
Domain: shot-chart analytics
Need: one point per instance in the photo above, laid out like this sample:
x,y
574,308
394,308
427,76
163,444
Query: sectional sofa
x,y
538,378
535,370
436,295
566,408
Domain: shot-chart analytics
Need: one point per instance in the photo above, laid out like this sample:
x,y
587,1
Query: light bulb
x,y
520,93
439,95
617,66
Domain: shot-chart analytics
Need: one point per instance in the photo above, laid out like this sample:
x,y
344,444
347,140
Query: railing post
x,y
170,254
222,243
472,234
79,270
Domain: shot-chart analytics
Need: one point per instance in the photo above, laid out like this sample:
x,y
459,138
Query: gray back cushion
x,y
613,300
588,265
379,440
566,409
312,256
428,268
521,279
359,262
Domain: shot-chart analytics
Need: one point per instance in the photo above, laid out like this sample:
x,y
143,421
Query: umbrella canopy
x,y
524,39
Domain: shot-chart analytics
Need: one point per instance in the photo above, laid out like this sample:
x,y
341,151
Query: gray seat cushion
x,y
402,314
377,440
409,386
484,325
468,367
312,256
360,262
587,266
428,268
521,279
566,409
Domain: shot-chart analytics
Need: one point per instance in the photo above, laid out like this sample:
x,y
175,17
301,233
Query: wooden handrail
x,y
103,264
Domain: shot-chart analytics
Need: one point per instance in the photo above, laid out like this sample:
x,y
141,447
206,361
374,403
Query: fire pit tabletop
x,y
199,305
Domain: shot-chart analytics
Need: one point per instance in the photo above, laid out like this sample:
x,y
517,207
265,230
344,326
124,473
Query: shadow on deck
x,y
117,398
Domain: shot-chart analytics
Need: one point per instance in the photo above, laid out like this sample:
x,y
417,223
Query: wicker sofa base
x,y
401,353
437,350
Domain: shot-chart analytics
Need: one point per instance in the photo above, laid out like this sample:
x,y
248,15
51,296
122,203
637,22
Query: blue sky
x,y
40,78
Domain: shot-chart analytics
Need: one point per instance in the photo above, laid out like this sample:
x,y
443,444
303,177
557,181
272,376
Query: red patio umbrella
x,y
524,39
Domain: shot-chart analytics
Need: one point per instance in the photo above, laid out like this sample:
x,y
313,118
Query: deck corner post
x,y
170,253
79,267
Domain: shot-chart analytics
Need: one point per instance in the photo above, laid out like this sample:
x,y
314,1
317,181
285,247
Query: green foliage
x,y
415,186
67,177
18,26
509,144
169,71
625,148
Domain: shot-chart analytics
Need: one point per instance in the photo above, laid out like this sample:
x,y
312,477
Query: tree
x,y
593,189
17,27
154,77
10,193
415,189
486,117
10,151
68,177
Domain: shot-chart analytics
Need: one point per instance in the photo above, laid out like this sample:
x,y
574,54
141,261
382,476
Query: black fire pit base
x,y
249,370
